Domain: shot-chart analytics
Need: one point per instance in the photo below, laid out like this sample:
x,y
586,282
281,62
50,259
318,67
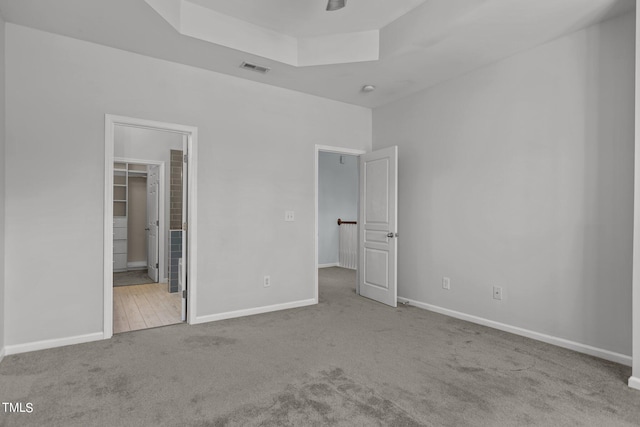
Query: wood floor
x,y
144,306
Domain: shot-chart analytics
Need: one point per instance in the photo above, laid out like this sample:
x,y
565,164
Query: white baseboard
x,y
549,339
137,265
60,342
634,382
252,311
332,264
2,353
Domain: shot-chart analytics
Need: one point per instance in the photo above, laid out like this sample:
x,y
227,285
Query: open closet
x,y
130,209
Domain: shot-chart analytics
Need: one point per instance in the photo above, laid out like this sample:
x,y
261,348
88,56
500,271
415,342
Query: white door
x,y
185,260
379,225
153,185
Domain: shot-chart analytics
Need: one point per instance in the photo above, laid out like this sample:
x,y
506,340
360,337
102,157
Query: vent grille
x,y
253,67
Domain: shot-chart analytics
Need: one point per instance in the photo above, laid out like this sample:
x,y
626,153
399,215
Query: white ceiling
x,y
308,18
434,42
203,23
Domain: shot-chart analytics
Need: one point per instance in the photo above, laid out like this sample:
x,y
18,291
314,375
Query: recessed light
x,y
368,88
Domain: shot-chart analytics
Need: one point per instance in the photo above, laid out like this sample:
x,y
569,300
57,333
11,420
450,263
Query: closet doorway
x,y
138,193
141,295
148,188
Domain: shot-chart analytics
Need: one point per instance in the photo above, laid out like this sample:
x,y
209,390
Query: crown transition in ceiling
x,y
292,32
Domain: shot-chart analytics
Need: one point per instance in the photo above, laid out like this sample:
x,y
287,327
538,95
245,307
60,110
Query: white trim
x,y
549,339
331,264
325,149
107,268
111,121
192,221
635,278
162,235
252,311
2,353
136,265
59,342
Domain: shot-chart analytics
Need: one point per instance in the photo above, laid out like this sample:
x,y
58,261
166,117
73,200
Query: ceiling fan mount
x,y
335,5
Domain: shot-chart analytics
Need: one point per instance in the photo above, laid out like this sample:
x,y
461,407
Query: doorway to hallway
x,y
337,208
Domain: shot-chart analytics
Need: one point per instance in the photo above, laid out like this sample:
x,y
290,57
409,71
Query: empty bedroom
x,y
319,212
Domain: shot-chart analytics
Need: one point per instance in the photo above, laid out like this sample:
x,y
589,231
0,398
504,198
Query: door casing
x,y
191,133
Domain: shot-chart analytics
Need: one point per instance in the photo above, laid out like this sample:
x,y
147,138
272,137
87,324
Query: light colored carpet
x,y
346,361
133,277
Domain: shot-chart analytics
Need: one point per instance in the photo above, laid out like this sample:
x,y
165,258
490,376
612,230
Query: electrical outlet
x,y
289,216
497,292
267,281
446,283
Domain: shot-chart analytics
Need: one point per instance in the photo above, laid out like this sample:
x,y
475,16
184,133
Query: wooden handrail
x,y
340,222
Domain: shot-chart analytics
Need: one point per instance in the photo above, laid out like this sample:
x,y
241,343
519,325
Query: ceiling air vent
x,y
254,67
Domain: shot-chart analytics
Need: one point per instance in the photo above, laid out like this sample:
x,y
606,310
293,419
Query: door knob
x,y
147,229
390,235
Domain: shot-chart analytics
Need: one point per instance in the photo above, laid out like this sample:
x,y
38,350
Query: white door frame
x,y
161,219
191,132
337,150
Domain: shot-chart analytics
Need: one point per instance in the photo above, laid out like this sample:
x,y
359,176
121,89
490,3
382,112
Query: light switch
x,y
289,216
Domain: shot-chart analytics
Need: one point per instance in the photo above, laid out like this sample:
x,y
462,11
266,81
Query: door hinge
x,y
184,294
157,266
157,222
184,226
186,158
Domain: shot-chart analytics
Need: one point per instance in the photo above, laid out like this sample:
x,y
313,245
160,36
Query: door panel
x,y
377,191
153,184
376,270
378,225
372,236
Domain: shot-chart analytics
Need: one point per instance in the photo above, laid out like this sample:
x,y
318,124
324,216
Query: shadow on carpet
x,y
328,398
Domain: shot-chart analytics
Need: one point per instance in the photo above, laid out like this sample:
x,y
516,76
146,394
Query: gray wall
x,y
520,175
337,198
147,144
2,184
256,160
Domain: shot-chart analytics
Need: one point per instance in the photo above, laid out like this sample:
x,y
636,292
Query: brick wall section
x,y
175,197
